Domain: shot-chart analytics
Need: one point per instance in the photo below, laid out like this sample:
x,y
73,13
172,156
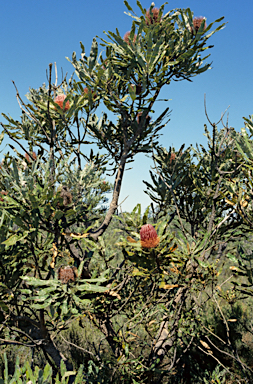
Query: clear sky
x,y
35,33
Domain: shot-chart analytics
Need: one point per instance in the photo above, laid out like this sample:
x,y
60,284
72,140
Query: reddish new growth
x,y
28,158
86,91
172,156
3,193
197,21
67,274
60,99
126,38
149,238
152,17
138,118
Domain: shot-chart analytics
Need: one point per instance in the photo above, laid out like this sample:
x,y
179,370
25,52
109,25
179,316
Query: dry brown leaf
x,y
55,253
76,235
205,345
133,334
170,286
131,240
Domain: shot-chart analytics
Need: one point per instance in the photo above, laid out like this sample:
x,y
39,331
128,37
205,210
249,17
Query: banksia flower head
x,y
197,21
152,17
126,38
67,274
60,99
149,238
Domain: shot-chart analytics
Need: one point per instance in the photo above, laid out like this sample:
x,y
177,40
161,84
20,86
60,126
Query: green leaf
x,y
203,264
93,54
132,91
4,306
92,288
232,258
38,282
128,6
15,238
140,6
1,137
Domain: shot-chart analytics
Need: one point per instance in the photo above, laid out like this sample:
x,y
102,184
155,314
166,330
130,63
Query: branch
x,y
115,198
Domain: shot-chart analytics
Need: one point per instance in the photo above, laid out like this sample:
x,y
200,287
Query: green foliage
x,y
39,376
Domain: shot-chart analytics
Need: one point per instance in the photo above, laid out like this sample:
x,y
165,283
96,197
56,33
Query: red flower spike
x,y
60,99
149,238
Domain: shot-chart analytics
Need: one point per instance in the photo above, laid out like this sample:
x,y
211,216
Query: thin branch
x,y
81,349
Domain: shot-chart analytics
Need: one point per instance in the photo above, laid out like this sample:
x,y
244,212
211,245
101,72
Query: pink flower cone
x,y
60,99
197,21
149,238
154,17
126,38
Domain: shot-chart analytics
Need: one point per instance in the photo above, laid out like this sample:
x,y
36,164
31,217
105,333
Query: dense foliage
x,y
102,296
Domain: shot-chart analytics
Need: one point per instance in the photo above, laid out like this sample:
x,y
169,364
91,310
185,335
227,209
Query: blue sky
x,y
35,33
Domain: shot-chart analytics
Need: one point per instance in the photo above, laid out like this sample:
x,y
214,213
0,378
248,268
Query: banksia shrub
x,y
126,38
149,237
60,99
67,274
197,21
152,17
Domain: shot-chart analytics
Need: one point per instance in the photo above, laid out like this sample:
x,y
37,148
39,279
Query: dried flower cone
x,y
126,38
152,17
138,118
149,238
59,100
67,274
138,88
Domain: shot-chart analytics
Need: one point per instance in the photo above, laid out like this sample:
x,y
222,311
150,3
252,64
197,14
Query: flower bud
x,y
149,238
